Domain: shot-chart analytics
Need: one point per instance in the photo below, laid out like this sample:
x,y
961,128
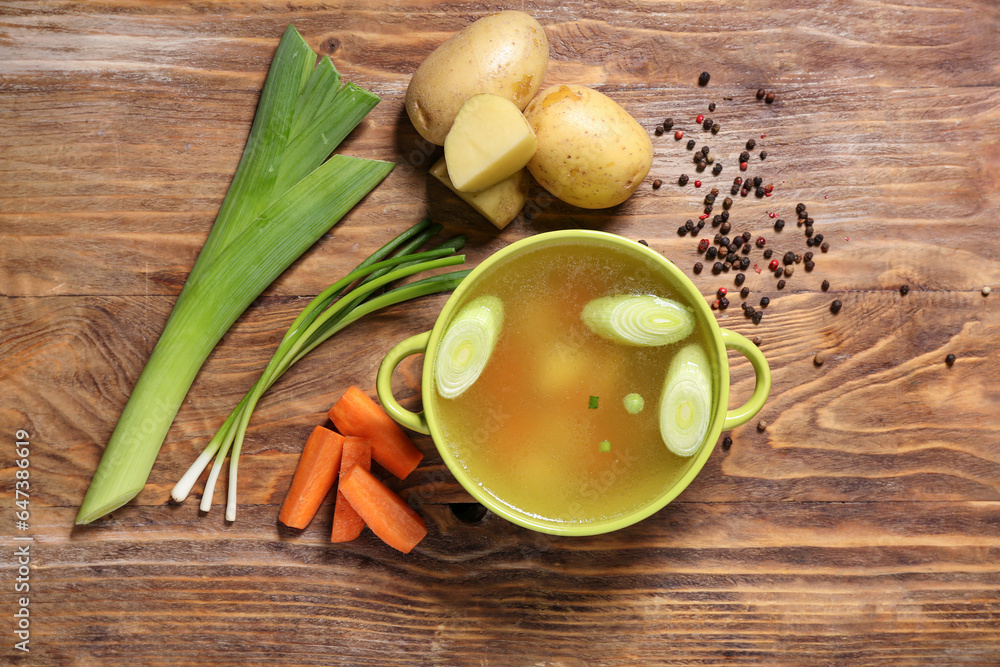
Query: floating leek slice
x,y
686,402
467,345
641,320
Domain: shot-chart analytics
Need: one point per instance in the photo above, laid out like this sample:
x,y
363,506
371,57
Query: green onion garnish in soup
x,y
639,319
685,404
467,345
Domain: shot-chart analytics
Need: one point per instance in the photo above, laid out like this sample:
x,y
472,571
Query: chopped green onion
x,y
642,320
282,199
604,446
685,406
592,404
634,404
467,345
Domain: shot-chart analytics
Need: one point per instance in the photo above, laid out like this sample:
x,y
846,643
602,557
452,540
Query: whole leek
x,y
283,198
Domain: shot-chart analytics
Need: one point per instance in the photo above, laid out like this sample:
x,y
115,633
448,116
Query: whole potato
x,y
505,54
591,153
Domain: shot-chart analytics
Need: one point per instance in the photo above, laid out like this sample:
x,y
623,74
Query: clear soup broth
x,y
526,431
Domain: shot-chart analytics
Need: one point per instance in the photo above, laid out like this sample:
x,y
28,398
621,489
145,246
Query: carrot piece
x,y
315,474
386,514
357,414
347,525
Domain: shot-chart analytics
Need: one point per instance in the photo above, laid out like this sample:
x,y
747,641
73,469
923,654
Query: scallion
x,y
282,199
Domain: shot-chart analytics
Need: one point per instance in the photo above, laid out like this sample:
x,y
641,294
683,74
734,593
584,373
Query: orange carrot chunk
x,y
347,524
314,477
386,514
356,414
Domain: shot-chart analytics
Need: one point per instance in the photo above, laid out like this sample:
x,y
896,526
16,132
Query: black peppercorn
x,y
691,144
717,267
789,257
658,131
703,79
746,248
716,220
763,155
769,98
745,292
726,267
767,253
725,240
757,317
904,290
716,127
682,230
727,202
744,156
683,180
717,169
764,301
657,183
642,242
734,190
724,228
825,247
727,442
950,359
760,93
809,230
707,125
800,208
698,266
711,252
708,209
689,225
825,285
818,237
759,192
740,277
704,150
836,306
750,144
668,124
749,310
747,236
701,165
711,106
724,215
757,180
723,303
709,198
808,256
781,284
745,263
810,265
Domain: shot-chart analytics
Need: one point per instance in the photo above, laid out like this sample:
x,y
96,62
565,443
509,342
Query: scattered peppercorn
x,y
950,359
697,184
716,127
904,290
725,227
727,442
825,247
727,202
723,291
825,285
682,230
761,425
703,245
711,106
798,259
757,317
698,266
763,155
764,301
691,144
810,265
745,263
740,277
809,230
717,267
836,306
748,310
699,118
789,257
712,252
723,303
709,198
658,131
761,241
789,270
757,181
756,340
743,166
683,180
781,284
769,98
986,290
657,183
703,79
745,292
773,265
760,192
819,359
678,135
668,124
744,156
725,214
717,169
760,93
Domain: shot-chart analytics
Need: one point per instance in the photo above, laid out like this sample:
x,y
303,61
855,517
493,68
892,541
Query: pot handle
x,y
746,412
415,421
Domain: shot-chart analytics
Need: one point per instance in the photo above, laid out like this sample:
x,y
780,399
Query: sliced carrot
x,y
314,477
386,514
347,525
356,414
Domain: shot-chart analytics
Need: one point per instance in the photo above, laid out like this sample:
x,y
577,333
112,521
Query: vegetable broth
x,y
525,431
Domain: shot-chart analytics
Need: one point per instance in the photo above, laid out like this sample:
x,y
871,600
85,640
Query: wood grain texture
x,y
861,527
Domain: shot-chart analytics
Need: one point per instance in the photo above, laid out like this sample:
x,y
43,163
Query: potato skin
x,y
591,153
505,54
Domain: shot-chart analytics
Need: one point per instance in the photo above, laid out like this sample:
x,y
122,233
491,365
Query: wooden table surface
x,y
861,527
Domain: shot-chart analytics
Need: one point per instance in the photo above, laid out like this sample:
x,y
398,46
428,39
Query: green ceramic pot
x,y
719,340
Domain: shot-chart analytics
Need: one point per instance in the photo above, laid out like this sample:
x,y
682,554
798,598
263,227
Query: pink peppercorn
x,y
743,166
703,245
699,119
773,265
723,291
761,241
697,184
678,135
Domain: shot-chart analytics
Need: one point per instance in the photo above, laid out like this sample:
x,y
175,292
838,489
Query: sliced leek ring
x,y
686,401
639,319
467,345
